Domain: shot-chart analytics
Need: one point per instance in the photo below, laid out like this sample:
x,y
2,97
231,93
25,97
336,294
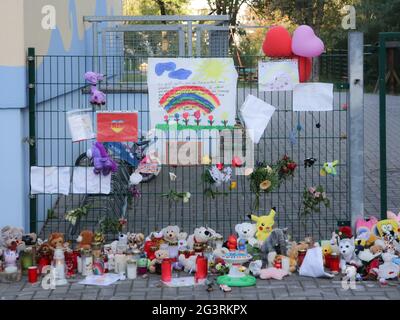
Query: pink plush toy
x,y
273,273
97,97
391,215
101,160
93,77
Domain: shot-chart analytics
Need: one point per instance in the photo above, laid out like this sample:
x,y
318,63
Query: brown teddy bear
x,y
293,253
56,240
85,239
160,255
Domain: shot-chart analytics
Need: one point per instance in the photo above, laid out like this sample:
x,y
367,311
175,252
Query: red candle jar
x,y
201,268
75,255
166,270
300,258
33,274
334,262
327,260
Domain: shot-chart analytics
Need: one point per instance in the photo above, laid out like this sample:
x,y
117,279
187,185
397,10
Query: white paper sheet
x,y
313,265
86,181
281,75
52,180
80,125
313,97
181,282
256,114
101,280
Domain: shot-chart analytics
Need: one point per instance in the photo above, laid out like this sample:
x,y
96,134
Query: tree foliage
x,y
155,7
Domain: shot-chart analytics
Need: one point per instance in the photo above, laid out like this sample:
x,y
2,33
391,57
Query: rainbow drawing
x,y
189,96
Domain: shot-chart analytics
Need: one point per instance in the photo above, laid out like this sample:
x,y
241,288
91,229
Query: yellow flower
x,y
206,160
265,185
233,185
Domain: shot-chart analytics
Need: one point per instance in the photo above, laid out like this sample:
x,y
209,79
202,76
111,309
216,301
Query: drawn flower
x,y
265,185
185,117
166,119
211,119
197,114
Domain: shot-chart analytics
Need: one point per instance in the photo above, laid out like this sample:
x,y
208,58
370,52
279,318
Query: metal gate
x,y
57,86
386,38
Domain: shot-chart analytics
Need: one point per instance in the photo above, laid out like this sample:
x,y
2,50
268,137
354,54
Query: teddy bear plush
x,y
170,234
11,237
293,254
56,240
85,239
200,237
135,240
246,231
160,255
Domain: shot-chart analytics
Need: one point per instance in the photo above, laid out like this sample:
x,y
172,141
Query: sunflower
x,y
265,185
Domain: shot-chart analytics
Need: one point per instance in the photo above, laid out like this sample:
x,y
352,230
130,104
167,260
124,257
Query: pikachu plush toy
x,y
264,224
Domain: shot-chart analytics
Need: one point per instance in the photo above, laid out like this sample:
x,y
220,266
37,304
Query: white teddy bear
x,y
200,235
247,232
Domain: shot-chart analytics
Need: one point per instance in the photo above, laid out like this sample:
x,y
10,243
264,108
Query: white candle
x,y
131,269
120,263
79,260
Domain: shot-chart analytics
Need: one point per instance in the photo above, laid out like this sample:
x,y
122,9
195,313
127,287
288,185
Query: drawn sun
x,y
212,69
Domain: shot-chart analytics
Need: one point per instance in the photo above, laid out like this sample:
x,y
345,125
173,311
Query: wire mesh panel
x,y
320,135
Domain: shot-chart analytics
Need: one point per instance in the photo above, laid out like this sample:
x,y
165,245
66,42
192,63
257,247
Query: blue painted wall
x,y
14,118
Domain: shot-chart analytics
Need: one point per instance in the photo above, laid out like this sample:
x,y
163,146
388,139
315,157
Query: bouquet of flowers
x,y
176,196
215,176
72,216
312,198
263,179
285,168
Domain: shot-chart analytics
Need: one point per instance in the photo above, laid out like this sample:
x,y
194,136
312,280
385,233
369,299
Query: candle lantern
x,y
131,269
69,262
87,262
59,266
32,274
10,261
300,258
120,263
98,263
166,270
201,268
142,266
334,262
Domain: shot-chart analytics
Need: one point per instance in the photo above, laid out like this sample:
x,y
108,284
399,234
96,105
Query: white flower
x,y
172,176
135,178
188,195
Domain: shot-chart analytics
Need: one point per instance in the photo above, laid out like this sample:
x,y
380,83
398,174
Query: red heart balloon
x,y
277,43
305,68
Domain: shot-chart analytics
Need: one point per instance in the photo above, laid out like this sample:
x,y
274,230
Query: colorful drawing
x,y
117,126
194,94
279,75
196,97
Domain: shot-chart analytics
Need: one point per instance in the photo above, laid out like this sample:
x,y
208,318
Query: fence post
x,y
382,124
32,131
356,125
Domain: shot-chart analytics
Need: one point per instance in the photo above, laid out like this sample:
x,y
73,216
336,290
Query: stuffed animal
x,y
135,240
387,228
152,244
155,264
85,239
364,229
172,234
93,77
347,254
276,242
102,162
335,243
247,232
391,215
231,243
56,240
273,273
345,232
44,256
387,270
255,267
189,264
11,237
97,97
264,225
200,237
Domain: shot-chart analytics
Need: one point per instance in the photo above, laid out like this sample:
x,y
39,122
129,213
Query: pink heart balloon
x,y
305,43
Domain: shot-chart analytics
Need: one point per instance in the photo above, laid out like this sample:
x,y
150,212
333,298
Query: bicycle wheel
x,y
83,161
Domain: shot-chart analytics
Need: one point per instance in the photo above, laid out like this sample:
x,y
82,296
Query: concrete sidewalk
x,y
293,287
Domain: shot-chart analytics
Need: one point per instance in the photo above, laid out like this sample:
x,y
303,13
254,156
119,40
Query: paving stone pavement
x,y
293,287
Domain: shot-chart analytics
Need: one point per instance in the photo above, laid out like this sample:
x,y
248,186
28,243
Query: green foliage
x,y
155,7
74,215
177,196
109,225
